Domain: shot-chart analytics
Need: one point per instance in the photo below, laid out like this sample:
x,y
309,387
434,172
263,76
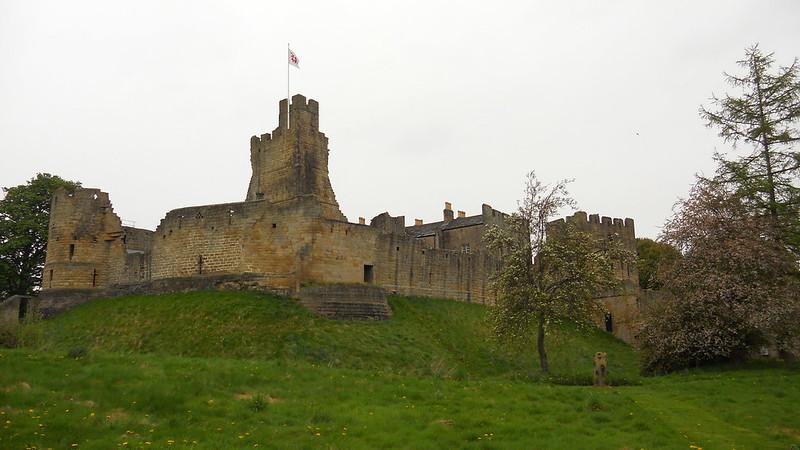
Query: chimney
x,y
362,221
417,222
462,214
448,211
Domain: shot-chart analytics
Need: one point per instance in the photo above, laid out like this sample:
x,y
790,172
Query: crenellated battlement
x,y
302,114
292,162
580,217
603,227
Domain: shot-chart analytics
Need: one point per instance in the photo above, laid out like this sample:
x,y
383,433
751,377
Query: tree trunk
x,y
540,345
773,209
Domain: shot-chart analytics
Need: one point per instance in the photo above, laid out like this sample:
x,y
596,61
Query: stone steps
x,y
347,302
349,311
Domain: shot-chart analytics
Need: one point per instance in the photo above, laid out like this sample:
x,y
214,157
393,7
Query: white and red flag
x,y
293,59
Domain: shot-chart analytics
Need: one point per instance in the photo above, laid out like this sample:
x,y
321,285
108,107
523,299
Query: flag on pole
x,y
293,59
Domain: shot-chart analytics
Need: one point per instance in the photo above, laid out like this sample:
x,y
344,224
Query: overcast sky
x,y
423,102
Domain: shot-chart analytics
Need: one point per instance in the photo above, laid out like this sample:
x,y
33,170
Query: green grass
x,y
425,336
213,370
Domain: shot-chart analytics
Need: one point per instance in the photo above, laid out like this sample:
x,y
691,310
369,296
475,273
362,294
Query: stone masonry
x,y
288,233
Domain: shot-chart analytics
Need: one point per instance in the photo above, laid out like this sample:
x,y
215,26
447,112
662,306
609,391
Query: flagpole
x,y
288,98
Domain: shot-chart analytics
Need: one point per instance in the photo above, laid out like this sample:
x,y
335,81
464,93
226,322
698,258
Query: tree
x,y
24,219
765,116
736,287
550,272
653,259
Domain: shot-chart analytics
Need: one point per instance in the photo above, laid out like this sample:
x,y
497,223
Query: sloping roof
x,y
429,229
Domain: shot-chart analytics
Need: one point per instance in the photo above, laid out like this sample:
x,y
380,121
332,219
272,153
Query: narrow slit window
x,y
71,250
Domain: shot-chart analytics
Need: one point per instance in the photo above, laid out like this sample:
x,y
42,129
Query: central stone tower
x,y
291,165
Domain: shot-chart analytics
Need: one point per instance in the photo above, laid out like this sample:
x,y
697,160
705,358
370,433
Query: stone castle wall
x,y
288,246
608,228
288,233
400,263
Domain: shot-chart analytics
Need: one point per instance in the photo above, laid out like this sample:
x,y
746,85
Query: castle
x,y
288,235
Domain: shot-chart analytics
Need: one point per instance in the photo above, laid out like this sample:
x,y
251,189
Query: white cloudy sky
x,y
423,102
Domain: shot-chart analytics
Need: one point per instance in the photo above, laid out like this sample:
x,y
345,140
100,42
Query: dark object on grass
x,y
77,352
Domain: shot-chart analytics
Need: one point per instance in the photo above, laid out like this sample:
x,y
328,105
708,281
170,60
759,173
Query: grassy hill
x,y
425,337
232,370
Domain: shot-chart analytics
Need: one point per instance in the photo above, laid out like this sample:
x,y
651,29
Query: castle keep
x,y
288,234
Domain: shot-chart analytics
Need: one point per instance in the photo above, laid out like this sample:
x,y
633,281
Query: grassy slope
x,y
425,337
240,371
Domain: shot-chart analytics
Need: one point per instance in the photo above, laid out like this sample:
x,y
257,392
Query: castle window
x,y
274,225
369,273
94,277
200,264
71,251
609,323
465,249
51,278
398,249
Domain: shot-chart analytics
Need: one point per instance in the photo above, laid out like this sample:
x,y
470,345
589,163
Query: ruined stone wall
x,y
84,247
137,239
